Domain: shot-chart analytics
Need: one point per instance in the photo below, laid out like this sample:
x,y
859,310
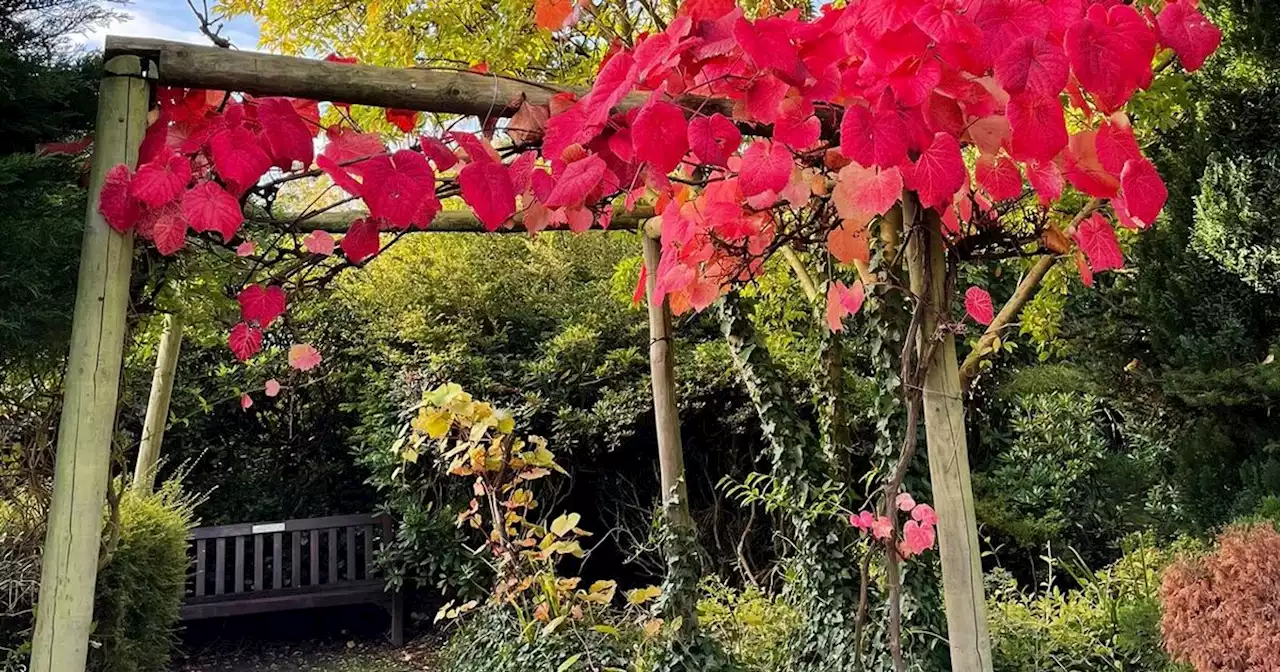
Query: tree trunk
x,y
943,408
144,471
70,562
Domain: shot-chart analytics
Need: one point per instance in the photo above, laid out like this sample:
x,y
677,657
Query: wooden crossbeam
x,y
450,221
429,90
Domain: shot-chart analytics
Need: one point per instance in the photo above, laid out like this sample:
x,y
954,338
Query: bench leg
x,y
397,619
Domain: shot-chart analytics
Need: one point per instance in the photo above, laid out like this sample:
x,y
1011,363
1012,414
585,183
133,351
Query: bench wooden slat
x,y
200,563
259,562
295,559
277,561
367,531
351,554
314,552
220,567
333,556
239,587
302,524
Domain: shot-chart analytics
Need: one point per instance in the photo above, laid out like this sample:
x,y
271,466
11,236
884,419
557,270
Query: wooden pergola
x,y
133,68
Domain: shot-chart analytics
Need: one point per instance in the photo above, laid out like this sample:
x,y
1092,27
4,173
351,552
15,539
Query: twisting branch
x,y
1027,289
211,29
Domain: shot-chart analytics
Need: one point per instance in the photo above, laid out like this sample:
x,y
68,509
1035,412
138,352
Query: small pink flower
x,y
862,521
882,527
917,538
905,501
925,514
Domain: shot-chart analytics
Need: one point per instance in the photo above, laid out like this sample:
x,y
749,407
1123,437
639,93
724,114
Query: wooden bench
x,y
328,562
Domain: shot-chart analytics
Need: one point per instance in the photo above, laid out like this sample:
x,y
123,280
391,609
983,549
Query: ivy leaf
x,y
486,187
208,207
977,303
1097,239
160,181
261,305
245,341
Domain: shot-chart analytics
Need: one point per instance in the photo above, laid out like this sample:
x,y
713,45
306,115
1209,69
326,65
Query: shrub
x,y
754,628
493,640
140,587
1221,608
1111,622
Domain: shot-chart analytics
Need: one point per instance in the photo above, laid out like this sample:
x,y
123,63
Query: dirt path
x,y
309,656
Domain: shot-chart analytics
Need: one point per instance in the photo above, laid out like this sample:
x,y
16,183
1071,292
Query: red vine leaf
x,y
1097,239
766,166
361,240
977,303
245,341
161,180
261,305
576,181
208,207
486,187
115,203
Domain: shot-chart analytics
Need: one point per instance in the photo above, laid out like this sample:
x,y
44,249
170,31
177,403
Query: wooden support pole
x,y
144,471
675,495
70,562
945,436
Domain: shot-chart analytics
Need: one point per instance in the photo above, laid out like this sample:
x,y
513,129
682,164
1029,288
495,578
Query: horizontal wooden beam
x,y
430,90
449,221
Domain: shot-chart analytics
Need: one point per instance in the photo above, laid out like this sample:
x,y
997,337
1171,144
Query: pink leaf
x,y
917,537
162,180
361,240
1116,145
166,227
405,120
272,387
939,172
208,207
873,139
766,166
239,157
287,136
870,191
344,144
261,305
1185,30
714,139
304,357
319,242
245,340
925,515
245,402
767,42
843,301
1143,191
1046,178
114,202
576,181
477,149
904,501
400,184
1033,66
1039,129
486,187
245,249
977,303
999,177
1098,241
659,135
438,152
1110,53
340,175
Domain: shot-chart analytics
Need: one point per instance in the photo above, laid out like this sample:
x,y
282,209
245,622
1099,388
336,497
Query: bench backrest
x,y
333,551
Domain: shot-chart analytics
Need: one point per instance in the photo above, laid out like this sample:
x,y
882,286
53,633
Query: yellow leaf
x,y
564,524
642,595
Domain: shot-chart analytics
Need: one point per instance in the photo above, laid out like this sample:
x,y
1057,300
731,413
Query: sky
x,y
170,20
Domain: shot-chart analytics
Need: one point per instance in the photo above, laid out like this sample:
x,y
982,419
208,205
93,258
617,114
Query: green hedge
x,y
139,588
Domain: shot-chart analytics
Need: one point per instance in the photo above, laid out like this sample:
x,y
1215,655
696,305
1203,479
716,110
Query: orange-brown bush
x,y
1222,610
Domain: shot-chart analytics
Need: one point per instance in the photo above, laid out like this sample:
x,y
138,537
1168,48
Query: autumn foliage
x,y
743,134
1222,611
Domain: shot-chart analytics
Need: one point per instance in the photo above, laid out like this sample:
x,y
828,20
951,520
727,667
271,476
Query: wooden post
x,y
70,562
675,495
144,471
944,422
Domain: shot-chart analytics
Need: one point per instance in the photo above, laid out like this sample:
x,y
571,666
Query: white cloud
x,y
147,22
